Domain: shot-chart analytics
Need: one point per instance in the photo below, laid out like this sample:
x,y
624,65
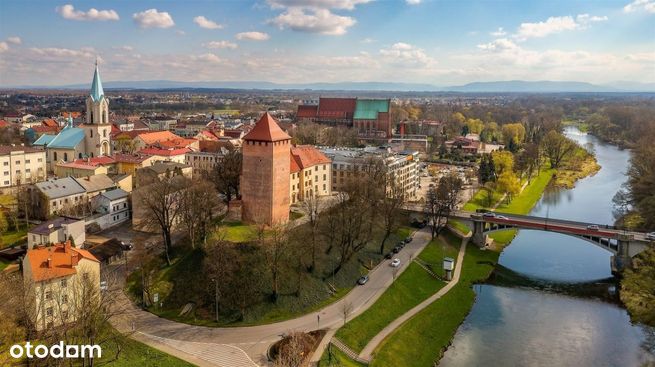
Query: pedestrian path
x,y
366,353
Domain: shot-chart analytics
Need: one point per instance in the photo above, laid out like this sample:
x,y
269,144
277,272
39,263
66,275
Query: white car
x,y
501,217
593,227
395,262
650,236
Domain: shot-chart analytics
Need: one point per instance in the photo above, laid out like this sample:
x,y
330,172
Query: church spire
x,y
96,87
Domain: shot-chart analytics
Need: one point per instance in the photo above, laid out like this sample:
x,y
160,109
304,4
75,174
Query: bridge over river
x,y
624,245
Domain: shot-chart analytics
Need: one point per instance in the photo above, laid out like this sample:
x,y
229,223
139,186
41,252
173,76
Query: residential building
x,y
19,165
403,167
59,280
113,207
56,196
57,230
310,173
159,170
108,252
96,184
265,175
177,155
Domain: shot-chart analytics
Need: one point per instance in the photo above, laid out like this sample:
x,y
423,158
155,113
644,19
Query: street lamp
x,y
216,300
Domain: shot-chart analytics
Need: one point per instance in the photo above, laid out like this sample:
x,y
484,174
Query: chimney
x,y
49,262
75,258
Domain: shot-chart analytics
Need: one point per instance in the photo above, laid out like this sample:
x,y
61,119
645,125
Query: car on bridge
x,y
650,236
593,227
489,214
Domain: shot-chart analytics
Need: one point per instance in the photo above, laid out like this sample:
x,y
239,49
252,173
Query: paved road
x,y
255,340
366,353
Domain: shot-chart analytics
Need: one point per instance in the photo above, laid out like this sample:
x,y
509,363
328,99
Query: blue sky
x,y
427,41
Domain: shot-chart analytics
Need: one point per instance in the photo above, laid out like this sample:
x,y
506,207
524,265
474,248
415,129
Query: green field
x,y
422,340
412,287
338,359
134,353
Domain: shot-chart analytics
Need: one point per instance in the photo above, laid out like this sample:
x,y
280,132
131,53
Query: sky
x,y
439,42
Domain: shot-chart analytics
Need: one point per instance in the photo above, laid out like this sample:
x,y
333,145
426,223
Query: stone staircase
x,y
349,352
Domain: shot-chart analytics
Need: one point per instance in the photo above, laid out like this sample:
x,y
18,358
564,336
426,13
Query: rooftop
x,y
267,129
368,109
60,187
164,152
96,182
6,149
60,264
115,194
69,137
308,156
45,227
96,86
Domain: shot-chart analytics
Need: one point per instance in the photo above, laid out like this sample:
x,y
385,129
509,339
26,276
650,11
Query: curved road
x,y
247,346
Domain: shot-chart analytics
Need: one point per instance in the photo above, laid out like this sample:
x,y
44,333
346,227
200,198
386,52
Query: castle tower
x,y
96,127
265,178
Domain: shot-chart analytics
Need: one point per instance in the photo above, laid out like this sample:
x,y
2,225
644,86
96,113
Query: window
x,y
54,156
104,133
91,132
63,283
40,160
64,298
48,311
324,187
17,162
324,176
66,157
6,164
6,182
27,161
6,173
27,170
48,295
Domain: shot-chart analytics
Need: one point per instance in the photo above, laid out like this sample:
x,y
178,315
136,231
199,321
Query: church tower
x,y
265,180
97,128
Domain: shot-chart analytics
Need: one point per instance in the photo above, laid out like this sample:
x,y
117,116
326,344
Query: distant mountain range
x,y
512,86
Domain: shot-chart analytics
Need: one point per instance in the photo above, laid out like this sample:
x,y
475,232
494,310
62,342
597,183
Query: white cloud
x,y
124,48
221,44
500,44
54,52
4,46
321,21
367,40
15,40
499,32
413,2
68,12
556,25
252,36
317,4
211,58
152,18
408,54
646,5
203,22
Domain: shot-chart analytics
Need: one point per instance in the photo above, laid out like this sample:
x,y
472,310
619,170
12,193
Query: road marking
x,y
223,355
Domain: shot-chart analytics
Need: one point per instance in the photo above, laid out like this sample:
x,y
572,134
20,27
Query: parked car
x,y
126,246
396,250
489,214
388,255
650,236
408,239
395,262
401,244
362,280
593,227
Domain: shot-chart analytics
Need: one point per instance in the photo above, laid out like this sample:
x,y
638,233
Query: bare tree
x,y
311,208
389,209
227,173
441,200
162,203
557,147
276,245
199,200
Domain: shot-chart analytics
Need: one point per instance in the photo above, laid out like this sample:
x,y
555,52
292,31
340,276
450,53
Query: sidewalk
x,y
366,353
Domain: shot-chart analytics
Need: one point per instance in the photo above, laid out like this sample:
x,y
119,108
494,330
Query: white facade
x,y
19,165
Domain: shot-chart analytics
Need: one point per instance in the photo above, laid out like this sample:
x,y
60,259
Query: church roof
x,y
44,139
69,137
266,129
96,87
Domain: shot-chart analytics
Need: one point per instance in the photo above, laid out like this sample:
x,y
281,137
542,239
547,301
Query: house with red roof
x,y
310,173
57,279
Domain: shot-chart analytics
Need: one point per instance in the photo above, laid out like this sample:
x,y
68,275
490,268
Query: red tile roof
x,y
61,261
307,111
267,129
50,123
336,107
176,143
130,158
308,156
207,135
96,161
71,114
157,136
165,152
295,166
45,129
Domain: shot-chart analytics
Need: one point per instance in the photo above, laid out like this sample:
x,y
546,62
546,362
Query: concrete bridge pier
x,y
622,259
479,237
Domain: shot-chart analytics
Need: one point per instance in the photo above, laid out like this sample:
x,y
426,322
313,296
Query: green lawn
x,y
238,232
422,340
526,200
412,287
134,353
338,359
12,238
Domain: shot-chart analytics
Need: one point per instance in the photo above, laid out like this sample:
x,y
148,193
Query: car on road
x,y
650,236
395,263
489,214
396,249
501,217
593,227
362,280
388,256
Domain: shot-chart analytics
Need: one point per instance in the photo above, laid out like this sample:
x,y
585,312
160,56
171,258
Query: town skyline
x,y
291,41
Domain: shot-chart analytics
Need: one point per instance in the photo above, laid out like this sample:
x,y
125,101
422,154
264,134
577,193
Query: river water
x,y
524,327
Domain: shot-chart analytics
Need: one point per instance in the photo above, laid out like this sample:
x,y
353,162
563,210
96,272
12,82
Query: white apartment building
x,y
20,165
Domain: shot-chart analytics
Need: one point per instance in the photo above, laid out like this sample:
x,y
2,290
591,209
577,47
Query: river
x,y
525,327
